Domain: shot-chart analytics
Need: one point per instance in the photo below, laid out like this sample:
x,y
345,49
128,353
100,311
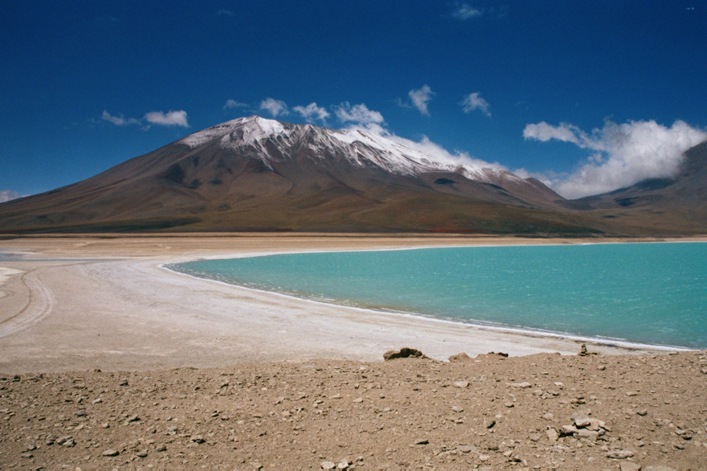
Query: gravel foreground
x,y
544,411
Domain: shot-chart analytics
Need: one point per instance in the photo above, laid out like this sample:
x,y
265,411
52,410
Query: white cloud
x,y
170,118
420,97
359,114
621,154
8,195
312,112
466,12
231,104
473,102
118,120
565,132
274,107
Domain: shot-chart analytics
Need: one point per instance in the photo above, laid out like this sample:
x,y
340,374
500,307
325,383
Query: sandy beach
x,y
108,359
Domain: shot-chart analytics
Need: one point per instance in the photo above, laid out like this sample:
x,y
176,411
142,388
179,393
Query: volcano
x,y
256,174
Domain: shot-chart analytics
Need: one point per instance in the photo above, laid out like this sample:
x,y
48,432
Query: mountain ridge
x,y
256,174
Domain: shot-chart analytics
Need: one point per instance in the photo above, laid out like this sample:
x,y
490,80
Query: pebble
x,y
328,465
619,454
523,385
552,434
461,384
111,452
467,448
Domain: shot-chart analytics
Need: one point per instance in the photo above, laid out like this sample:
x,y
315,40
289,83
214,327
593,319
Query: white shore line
x,y
525,332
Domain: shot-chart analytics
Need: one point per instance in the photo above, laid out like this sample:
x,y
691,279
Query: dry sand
x,y
79,304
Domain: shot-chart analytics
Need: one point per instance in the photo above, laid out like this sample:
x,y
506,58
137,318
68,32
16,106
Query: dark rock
x,y
404,352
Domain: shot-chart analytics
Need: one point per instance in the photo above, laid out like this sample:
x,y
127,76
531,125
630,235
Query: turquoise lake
x,y
651,293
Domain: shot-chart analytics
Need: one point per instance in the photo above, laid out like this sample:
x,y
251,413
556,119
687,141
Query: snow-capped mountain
x,y
362,147
255,174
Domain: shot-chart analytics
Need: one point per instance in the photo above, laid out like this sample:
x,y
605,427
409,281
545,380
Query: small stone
x,y
358,400
631,393
123,382
588,434
343,465
422,441
509,404
629,466
198,439
142,454
568,430
484,457
552,434
461,384
619,454
549,416
162,448
457,409
523,385
597,425
467,448
111,452
581,420
642,412
70,443
328,465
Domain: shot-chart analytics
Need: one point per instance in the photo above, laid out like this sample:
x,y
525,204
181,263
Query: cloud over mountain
x,y
620,154
8,195
119,120
474,102
312,112
274,107
420,97
358,114
170,118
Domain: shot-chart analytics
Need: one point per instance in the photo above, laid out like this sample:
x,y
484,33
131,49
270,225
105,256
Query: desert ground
x,y
109,360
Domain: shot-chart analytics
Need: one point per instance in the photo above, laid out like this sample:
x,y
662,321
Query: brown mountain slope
x,y
243,176
658,206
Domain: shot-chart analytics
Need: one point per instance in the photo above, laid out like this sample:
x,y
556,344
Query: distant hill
x,y
255,174
670,205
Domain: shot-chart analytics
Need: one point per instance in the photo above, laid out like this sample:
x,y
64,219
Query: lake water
x,y
651,293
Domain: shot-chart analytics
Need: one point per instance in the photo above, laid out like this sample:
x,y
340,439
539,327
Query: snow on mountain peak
x,y
362,146
254,129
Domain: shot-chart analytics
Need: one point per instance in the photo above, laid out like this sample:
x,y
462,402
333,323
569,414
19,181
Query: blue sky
x,y
587,95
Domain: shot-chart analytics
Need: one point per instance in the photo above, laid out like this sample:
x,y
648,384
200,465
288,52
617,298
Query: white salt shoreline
x,y
616,343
